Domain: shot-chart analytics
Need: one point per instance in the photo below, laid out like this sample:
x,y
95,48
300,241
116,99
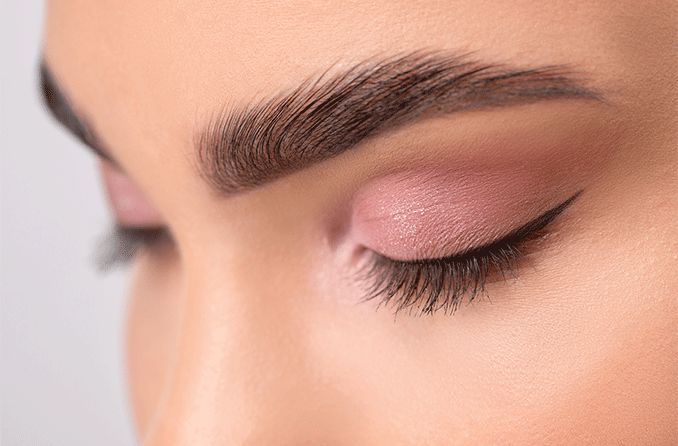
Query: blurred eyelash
x,y
121,244
425,286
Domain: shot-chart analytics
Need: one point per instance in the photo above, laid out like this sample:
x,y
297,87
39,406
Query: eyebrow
x,y
241,148
62,109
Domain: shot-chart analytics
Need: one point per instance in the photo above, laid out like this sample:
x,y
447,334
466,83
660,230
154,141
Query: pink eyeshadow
x,y
434,212
128,202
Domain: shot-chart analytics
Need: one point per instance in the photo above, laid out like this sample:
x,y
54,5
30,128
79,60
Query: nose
x,y
243,373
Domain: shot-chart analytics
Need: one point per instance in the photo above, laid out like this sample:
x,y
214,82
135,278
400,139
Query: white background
x,y
63,379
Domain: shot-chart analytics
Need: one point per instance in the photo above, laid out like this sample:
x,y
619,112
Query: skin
x,y
246,330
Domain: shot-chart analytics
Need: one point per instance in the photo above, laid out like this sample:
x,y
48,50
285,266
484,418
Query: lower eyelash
x,y
431,285
122,244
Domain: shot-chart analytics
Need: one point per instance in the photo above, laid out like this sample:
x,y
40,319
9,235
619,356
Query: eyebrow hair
x,y
244,147
62,109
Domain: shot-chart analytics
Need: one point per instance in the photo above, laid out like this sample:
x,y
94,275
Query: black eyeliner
x,y
516,235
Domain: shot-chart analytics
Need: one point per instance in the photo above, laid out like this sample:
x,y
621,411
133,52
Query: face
x,y
387,222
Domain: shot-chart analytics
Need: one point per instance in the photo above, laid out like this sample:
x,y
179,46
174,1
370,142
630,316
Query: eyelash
x,y
121,244
429,285
426,286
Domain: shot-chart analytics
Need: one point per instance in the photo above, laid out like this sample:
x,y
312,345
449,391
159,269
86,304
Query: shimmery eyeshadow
x,y
434,212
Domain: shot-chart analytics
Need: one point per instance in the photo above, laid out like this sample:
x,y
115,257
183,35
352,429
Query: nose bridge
x,y
242,373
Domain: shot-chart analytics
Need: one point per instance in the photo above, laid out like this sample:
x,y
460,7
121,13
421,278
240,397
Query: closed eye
x,y
429,285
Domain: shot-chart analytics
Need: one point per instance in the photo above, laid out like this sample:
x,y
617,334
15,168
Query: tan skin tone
x,y
245,329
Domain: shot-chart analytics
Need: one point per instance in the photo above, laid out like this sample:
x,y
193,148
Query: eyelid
x,y
430,211
130,206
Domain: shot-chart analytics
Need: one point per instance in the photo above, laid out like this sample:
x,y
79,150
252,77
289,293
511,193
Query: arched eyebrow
x,y
243,147
63,110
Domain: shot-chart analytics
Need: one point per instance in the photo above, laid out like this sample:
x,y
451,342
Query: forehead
x,y
199,52
249,45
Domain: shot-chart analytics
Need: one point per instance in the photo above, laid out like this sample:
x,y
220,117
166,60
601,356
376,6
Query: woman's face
x,y
336,178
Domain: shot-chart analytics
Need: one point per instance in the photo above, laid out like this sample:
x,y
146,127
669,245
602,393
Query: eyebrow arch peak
x,y
244,147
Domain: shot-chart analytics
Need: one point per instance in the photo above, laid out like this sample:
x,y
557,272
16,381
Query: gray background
x,y
61,336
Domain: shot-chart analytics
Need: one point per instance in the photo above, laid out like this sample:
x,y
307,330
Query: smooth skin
x,y
245,330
